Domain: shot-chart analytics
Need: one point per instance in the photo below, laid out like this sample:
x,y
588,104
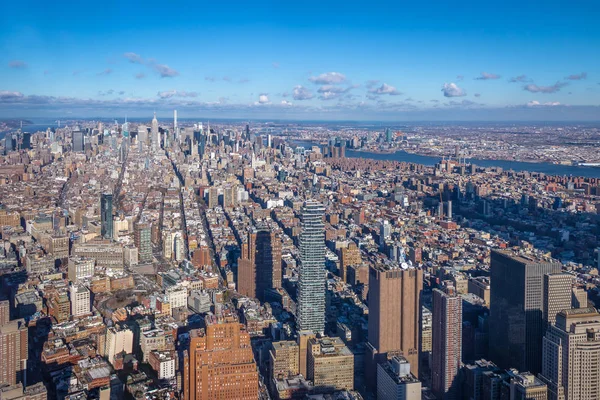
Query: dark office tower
x,y
516,308
268,261
106,215
446,342
13,352
143,241
26,141
78,143
311,275
248,137
394,316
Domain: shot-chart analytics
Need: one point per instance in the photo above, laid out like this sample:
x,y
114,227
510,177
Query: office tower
x,y
106,215
349,256
77,141
571,356
80,300
385,232
283,360
449,203
388,135
142,237
268,261
13,352
446,342
219,362
394,316
80,268
175,121
516,308
330,364
525,386
558,290
155,134
311,279
395,382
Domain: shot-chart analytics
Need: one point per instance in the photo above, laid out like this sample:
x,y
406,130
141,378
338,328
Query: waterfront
x,y
403,156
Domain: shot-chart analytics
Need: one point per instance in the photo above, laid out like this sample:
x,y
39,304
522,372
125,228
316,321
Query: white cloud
x,y
452,90
302,93
544,89
175,93
577,77
487,76
263,99
535,103
385,89
285,103
328,78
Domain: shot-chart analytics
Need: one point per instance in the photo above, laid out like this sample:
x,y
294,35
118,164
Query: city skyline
x,y
330,62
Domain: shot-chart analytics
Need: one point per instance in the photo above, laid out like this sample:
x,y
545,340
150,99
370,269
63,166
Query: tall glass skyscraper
x,y
106,215
311,282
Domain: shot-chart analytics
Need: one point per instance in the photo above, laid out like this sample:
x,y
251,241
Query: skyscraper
x,y
155,134
311,279
142,237
13,352
268,261
385,231
394,316
571,356
558,292
446,342
77,141
106,215
219,362
516,308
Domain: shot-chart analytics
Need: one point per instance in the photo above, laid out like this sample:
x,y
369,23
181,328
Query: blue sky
x,y
329,60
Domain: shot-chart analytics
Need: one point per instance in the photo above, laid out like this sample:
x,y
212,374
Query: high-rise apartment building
x,y
311,280
80,300
558,292
571,356
394,316
106,215
118,339
516,308
143,241
219,362
447,342
13,352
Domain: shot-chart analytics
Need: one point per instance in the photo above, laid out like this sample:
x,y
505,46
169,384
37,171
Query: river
x,y
403,156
